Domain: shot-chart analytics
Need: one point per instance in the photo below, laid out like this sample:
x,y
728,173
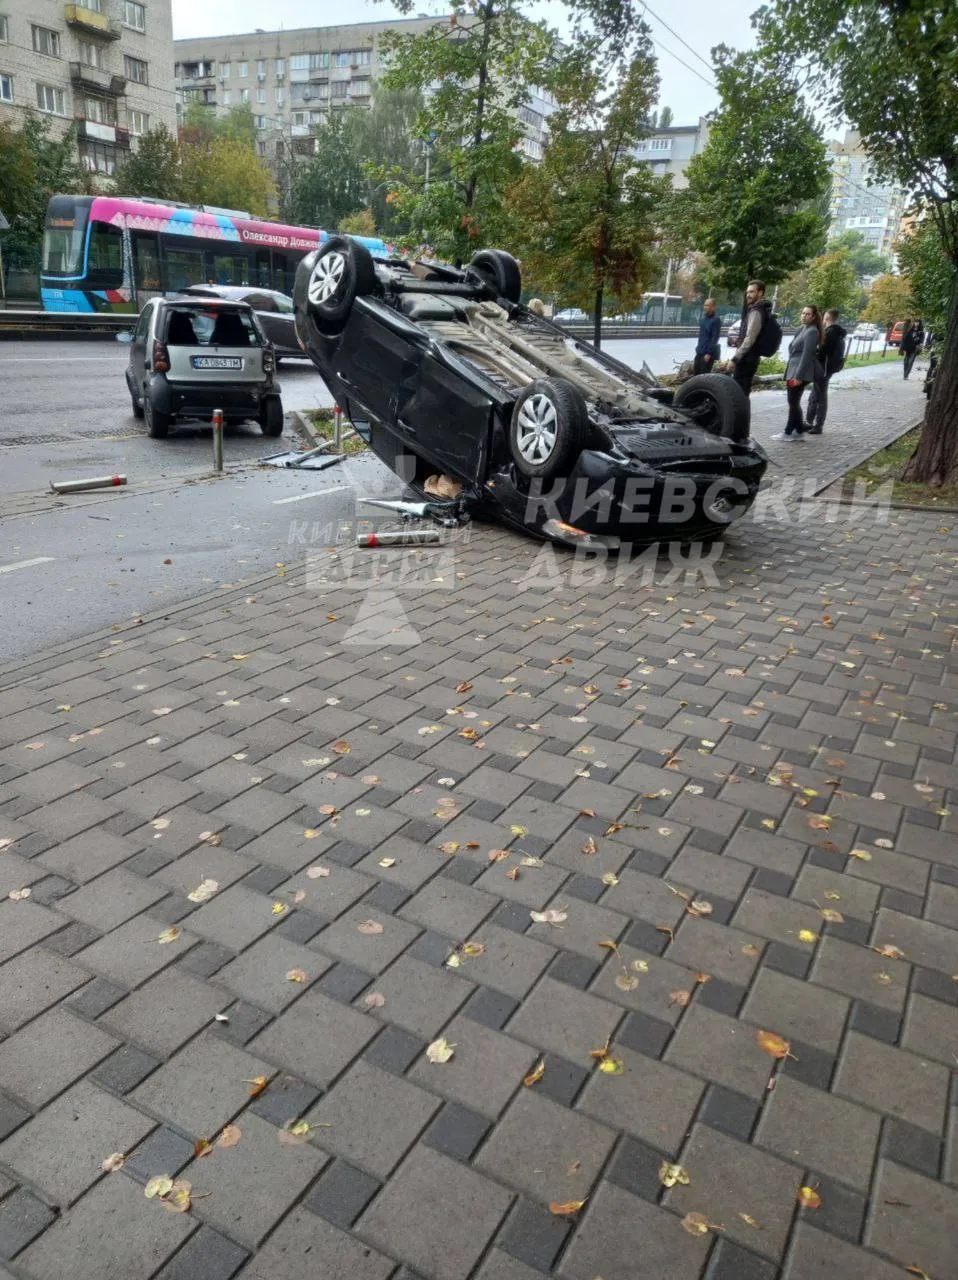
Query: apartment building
x,y
292,79
857,201
104,65
669,150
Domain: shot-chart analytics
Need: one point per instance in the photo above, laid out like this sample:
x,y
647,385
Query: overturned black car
x,y
443,370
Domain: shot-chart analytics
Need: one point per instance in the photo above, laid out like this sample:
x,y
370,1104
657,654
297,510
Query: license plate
x,y
216,362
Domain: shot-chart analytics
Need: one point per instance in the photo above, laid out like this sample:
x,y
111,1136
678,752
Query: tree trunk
x,y
597,319
485,15
935,460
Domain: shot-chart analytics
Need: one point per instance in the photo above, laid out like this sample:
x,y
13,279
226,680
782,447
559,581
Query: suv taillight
x,y
161,358
269,359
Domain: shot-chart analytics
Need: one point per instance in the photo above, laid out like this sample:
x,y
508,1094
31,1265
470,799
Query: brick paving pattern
x,y
778,745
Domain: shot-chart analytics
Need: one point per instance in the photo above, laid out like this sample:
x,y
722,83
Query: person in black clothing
x,y
754,318
909,347
708,349
831,358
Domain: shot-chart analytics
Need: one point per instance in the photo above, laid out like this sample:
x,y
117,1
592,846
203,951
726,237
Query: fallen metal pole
x,y
217,439
409,538
79,486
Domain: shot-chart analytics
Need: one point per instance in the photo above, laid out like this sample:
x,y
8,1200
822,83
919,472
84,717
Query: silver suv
x,y
189,356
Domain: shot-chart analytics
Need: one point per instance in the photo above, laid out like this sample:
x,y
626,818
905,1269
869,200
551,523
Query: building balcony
x,y
86,77
84,19
93,131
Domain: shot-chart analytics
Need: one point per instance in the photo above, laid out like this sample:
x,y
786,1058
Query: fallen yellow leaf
x,y
563,1210
808,1198
611,1066
160,1185
696,1224
440,1050
169,935
296,975
671,1175
775,1045
536,1074
230,1136
806,935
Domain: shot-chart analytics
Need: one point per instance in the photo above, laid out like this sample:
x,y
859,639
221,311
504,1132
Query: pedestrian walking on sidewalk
x,y
909,347
755,321
801,370
708,349
831,359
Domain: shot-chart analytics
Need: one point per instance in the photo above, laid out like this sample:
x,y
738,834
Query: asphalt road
x,y
70,565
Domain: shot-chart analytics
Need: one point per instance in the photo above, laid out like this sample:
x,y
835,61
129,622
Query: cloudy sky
x,y
684,67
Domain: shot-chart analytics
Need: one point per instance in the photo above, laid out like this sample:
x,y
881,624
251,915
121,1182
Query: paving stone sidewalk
x,y
776,744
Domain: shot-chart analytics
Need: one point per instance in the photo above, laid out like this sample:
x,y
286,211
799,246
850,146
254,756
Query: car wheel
x,y
716,402
499,271
157,423
271,416
137,407
342,271
549,427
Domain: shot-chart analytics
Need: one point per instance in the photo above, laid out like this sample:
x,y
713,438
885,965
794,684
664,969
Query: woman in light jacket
x,y
800,371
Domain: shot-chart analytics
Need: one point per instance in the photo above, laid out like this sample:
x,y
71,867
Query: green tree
x,y
473,71
331,185
236,123
891,70
389,145
794,292
33,167
218,162
153,169
832,284
358,224
666,116
866,260
930,273
889,299
751,199
587,215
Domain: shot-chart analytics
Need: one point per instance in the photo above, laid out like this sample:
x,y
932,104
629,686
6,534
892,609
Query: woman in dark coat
x,y
800,371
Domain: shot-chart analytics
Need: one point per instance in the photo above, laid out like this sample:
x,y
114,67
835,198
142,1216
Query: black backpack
x,y
837,362
770,337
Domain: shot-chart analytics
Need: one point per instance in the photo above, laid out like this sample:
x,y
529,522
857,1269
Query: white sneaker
x,y
782,436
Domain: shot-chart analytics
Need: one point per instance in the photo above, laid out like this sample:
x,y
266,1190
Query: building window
x,y
227,98
359,88
342,59
319,62
134,15
357,58
259,122
244,69
4,31
339,89
261,69
135,69
261,147
6,88
660,144
99,110
97,157
50,100
91,55
244,95
225,70
300,117
139,122
280,68
279,97
261,95
46,42
299,62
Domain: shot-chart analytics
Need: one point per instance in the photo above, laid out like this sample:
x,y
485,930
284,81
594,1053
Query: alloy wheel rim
x,y
537,428
326,278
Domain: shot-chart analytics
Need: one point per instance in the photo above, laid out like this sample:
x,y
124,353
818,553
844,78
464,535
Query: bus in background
x,y
658,309
112,253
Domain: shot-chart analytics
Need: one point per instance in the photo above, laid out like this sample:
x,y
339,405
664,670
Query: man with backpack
x,y
761,335
831,359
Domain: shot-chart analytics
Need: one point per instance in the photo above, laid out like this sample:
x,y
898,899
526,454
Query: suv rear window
x,y
199,327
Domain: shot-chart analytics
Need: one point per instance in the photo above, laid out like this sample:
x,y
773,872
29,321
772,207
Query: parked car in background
x,y
189,356
274,311
733,331
895,333
867,333
571,315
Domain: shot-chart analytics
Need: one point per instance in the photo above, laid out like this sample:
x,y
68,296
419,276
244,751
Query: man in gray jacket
x,y
757,312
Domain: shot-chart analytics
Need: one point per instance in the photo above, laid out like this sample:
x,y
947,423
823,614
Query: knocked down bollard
x,y
408,538
217,439
80,486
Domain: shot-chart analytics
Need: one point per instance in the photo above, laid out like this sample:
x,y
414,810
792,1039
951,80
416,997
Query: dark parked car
x,y
273,310
443,370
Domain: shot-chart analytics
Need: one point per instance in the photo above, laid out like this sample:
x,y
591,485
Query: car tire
x,y
549,428
157,423
137,407
271,416
499,271
341,271
716,402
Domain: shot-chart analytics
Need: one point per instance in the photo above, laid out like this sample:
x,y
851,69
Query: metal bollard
x,y
217,439
337,428
79,486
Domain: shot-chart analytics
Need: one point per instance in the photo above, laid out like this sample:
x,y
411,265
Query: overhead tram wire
x,y
695,53
664,49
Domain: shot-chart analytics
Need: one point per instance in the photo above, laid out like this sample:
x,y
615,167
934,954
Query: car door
x,y
141,336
